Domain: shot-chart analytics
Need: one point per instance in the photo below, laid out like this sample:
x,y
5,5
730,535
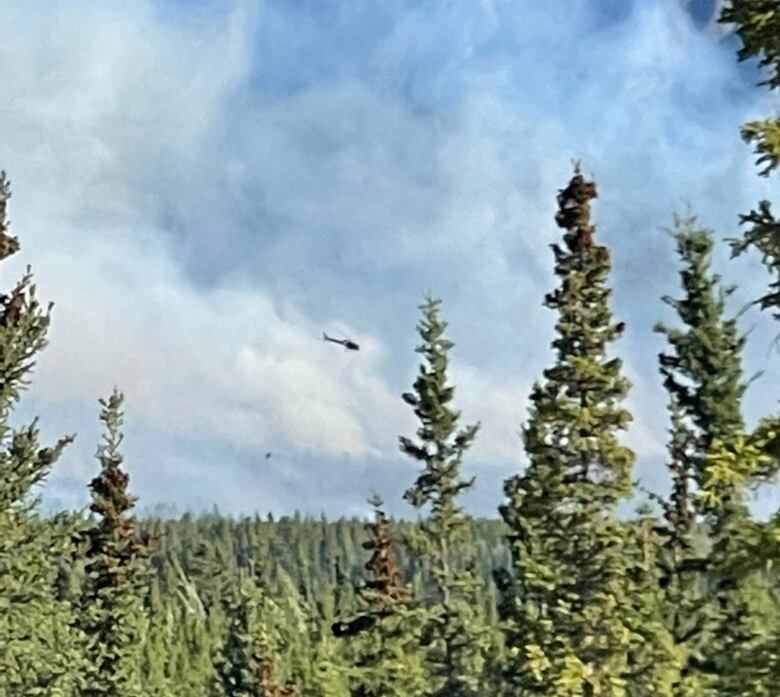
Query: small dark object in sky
x,y
346,343
620,327
267,455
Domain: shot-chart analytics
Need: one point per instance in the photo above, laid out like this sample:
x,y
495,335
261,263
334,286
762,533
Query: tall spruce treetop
x,y
23,329
441,444
702,371
716,608
703,368
37,656
566,609
459,640
386,634
114,550
116,572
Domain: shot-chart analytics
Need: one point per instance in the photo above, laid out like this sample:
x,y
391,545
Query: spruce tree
x,y
703,369
754,456
248,664
38,653
305,649
117,573
386,635
741,656
653,659
459,638
158,644
681,563
702,372
709,605
757,23
240,668
190,665
567,610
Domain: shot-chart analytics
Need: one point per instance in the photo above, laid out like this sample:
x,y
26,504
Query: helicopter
x,y
346,343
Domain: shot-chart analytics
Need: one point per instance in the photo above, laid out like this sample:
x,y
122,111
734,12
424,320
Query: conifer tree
x,y
653,657
191,671
240,668
117,573
305,649
210,568
247,667
459,638
190,666
703,374
158,646
703,369
757,23
567,609
268,682
741,655
38,653
388,661
680,562
753,456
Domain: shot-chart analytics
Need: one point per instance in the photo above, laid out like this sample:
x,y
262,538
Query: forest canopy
x,y
557,596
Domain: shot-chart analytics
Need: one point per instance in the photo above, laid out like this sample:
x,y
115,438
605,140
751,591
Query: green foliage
x,y
38,652
743,615
757,23
653,660
112,617
245,668
758,26
765,135
680,562
763,234
570,574
385,637
188,642
743,581
458,638
715,602
703,369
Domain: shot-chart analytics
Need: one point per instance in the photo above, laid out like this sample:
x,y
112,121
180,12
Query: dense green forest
x,y
557,597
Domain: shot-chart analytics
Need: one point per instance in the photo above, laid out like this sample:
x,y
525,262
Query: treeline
x,y
558,598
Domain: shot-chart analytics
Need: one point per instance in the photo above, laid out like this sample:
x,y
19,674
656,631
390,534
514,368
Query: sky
x,y
203,188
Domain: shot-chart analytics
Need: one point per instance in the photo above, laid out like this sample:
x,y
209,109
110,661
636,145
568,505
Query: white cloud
x,y
324,182
226,363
